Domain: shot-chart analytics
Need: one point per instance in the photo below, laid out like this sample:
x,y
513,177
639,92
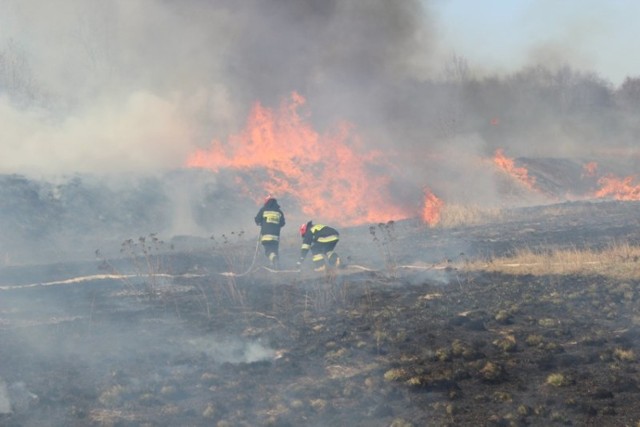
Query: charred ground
x,y
401,337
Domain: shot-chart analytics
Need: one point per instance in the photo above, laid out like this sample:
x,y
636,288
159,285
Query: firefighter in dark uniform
x,y
321,240
270,219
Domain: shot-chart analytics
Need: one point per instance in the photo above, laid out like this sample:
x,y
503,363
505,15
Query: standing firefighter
x,y
322,240
270,219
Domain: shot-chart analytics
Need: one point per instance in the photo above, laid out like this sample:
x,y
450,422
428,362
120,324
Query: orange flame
x,y
332,177
618,188
589,169
507,165
432,208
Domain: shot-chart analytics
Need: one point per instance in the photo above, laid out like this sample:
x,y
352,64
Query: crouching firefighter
x,y
270,218
321,240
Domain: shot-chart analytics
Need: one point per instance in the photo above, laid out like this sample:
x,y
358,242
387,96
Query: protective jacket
x,y
318,234
270,219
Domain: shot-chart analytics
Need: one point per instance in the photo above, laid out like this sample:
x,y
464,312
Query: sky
x,y
505,35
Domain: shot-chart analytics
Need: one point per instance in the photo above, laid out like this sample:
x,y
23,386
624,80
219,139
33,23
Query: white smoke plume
x,y
121,86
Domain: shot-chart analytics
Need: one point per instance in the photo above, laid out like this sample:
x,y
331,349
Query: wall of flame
x,y
332,176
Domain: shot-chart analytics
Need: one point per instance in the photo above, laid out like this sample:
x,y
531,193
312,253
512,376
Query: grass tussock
x,y
464,215
618,260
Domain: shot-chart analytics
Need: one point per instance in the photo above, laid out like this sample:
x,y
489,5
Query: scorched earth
x,y
412,335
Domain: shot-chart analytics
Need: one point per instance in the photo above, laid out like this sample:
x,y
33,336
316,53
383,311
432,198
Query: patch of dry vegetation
x,y
455,215
619,260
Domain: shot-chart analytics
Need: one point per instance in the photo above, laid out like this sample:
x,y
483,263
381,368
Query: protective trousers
x,y
271,251
324,255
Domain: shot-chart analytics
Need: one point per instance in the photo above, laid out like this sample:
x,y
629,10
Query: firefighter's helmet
x,y
268,198
304,227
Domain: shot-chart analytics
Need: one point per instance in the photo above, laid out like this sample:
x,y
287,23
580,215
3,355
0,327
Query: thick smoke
x,y
108,87
118,90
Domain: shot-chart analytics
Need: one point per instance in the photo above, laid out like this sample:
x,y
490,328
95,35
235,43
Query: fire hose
x,y
255,255
95,277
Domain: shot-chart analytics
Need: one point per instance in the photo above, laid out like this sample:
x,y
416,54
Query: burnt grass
x,y
413,340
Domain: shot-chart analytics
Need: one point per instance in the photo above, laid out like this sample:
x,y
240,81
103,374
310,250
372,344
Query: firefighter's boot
x,y
333,259
273,260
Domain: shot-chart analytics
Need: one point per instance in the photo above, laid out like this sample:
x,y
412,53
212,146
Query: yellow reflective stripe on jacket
x,y
305,246
317,227
327,239
271,217
269,237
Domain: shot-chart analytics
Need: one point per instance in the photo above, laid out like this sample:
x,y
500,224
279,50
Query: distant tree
x,y
16,77
628,94
456,76
456,69
627,101
586,92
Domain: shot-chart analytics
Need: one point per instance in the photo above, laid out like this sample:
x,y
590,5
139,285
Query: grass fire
x,y
315,213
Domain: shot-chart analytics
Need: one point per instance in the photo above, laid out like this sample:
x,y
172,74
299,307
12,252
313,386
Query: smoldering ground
x,y
78,335
394,337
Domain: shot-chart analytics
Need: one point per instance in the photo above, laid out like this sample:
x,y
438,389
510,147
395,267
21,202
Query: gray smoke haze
x,y
120,86
120,89
95,87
